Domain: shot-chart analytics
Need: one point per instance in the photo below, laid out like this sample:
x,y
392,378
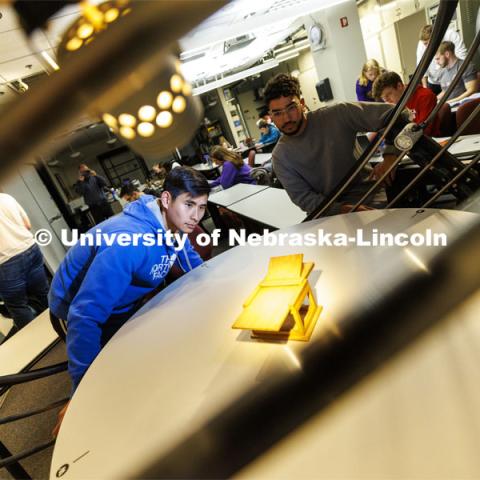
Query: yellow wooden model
x,y
274,309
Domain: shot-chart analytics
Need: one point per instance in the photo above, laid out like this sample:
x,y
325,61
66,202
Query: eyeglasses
x,y
289,110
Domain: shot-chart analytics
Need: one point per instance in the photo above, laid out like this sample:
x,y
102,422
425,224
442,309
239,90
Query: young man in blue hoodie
x,y
98,288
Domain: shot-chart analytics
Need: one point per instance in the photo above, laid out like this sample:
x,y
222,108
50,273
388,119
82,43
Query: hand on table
x,y
346,207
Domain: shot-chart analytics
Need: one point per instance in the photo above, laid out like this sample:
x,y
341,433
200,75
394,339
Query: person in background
x,y
316,150
129,192
449,65
389,87
430,80
23,281
269,135
234,170
265,116
158,171
91,186
370,71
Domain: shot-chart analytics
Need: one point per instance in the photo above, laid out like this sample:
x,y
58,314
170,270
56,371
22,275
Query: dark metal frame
x,y
443,167
8,460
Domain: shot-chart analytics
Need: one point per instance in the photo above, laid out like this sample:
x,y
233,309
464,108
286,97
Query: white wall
x,y
308,78
378,30
344,48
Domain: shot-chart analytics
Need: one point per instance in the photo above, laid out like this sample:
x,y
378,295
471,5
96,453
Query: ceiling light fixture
x,y
74,154
111,139
48,58
154,106
288,57
235,77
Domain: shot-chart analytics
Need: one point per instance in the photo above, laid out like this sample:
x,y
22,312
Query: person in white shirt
x,y
431,79
23,281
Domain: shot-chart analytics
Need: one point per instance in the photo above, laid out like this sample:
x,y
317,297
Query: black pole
x,y
14,469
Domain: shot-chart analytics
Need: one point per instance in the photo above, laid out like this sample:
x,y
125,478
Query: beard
x,y
296,130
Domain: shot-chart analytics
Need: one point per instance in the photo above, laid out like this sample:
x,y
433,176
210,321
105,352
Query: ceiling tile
x,y
9,18
16,69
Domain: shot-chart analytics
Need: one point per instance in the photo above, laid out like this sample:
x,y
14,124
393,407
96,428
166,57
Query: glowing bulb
x,y
111,15
74,44
179,104
93,14
127,120
176,83
85,30
110,120
164,119
145,129
187,89
147,113
164,99
127,132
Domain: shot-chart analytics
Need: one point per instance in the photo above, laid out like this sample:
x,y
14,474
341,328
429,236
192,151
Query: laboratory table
x,y
178,362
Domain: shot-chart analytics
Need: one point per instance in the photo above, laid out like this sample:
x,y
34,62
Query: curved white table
x,y
178,362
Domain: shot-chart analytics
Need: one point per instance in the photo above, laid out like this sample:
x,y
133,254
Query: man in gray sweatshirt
x,y
316,149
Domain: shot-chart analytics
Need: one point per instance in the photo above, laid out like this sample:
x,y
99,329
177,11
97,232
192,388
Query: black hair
x,y
128,189
281,85
186,180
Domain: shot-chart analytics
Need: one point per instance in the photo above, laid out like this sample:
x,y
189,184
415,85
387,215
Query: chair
x,y
464,112
446,121
261,176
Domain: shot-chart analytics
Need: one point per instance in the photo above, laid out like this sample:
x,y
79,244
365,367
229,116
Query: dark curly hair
x,y
281,85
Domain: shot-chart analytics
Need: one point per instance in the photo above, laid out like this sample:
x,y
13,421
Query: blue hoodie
x,y
272,136
94,282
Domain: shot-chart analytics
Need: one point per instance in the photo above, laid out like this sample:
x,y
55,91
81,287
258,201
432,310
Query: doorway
x,y
407,31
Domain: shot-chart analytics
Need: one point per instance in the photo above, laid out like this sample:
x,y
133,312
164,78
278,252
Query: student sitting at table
x,y
449,65
270,135
234,170
389,87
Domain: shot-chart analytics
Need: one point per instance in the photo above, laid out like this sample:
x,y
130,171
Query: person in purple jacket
x,y
234,170
370,71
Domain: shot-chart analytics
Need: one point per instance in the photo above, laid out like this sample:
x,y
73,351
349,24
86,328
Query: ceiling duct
x,y
189,58
238,42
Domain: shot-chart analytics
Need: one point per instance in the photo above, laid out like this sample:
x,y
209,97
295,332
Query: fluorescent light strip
x,y
50,60
288,57
294,50
282,49
235,77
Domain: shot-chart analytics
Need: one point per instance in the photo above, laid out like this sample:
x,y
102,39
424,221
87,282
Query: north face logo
x,y
160,270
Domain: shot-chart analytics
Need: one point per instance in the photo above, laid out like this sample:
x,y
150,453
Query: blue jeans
x,y
24,286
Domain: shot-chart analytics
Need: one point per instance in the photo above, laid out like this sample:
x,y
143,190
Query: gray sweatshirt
x,y
312,164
